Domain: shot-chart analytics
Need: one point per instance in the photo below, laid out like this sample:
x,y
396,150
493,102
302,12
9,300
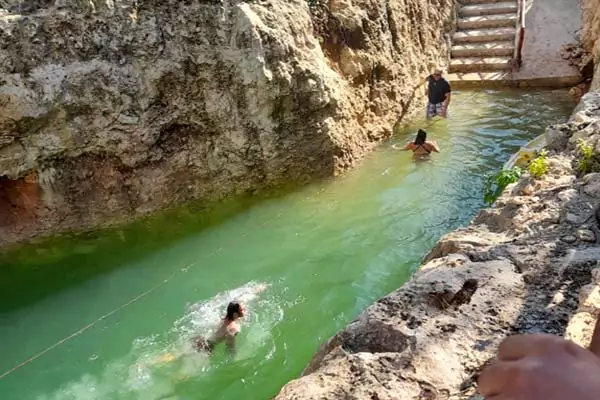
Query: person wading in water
x,y
421,147
439,94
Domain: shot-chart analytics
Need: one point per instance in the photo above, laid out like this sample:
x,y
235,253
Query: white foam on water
x,y
156,364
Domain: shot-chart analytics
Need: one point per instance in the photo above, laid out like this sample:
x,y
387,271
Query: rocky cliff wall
x,y
590,35
112,109
531,263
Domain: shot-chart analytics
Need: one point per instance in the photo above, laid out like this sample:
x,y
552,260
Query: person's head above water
x,y
421,137
235,310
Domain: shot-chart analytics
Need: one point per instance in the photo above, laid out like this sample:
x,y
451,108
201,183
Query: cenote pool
x,y
327,251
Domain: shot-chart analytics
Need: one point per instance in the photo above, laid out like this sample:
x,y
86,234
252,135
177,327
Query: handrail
x,y
520,27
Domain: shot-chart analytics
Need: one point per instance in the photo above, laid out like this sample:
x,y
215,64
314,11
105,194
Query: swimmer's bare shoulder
x,y
433,146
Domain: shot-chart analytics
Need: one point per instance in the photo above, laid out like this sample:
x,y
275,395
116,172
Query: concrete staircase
x,y
484,44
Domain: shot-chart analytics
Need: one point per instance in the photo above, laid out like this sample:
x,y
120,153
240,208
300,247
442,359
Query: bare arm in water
x,y
405,148
543,367
433,146
229,327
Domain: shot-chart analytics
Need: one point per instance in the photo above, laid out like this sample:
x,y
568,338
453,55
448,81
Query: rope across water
x,y
108,314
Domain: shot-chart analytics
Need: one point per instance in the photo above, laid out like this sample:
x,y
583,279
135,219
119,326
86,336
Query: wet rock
x,y
528,190
590,32
559,166
586,235
574,219
580,328
592,184
569,239
578,256
526,186
432,355
579,212
596,273
581,325
557,136
589,298
568,195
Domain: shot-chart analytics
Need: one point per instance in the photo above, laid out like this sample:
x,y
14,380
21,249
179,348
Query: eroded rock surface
x,y
529,264
590,35
113,109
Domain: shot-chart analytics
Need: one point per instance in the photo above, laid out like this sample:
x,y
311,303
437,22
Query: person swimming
x,y
228,328
227,331
421,146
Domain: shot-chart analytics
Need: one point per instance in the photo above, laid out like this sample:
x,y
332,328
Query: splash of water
x,y
156,364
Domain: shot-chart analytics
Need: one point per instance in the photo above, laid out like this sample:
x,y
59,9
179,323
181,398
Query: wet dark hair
x,y
421,137
233,308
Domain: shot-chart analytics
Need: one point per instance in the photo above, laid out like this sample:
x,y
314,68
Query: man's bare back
x,y
228,329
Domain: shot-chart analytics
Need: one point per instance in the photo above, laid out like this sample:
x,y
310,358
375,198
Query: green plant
x,y
495,184
539,165
587,161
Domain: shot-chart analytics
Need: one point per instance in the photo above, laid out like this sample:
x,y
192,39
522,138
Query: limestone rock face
x,y
529,264
590,35
590,32
112,109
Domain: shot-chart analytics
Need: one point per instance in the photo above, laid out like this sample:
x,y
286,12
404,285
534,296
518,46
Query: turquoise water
x,y
327,251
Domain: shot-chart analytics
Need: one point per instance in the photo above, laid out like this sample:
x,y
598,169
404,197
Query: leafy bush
x,y
539,165
587,161
495,184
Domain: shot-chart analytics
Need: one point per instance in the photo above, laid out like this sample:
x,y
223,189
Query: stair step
x,y
484,35
477,64
475,79
488,21
487,49
505,7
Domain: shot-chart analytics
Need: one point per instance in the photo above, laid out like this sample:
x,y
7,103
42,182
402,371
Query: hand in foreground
x,y
543,367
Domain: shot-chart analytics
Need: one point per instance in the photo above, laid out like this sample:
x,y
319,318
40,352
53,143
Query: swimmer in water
x,y
228,328
421,146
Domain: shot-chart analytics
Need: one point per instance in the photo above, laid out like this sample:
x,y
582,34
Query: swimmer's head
x,y
235,310
421,137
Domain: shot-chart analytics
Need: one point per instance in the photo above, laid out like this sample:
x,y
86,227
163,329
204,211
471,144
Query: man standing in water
x,y
438,93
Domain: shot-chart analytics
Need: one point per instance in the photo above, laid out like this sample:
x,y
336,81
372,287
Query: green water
x,y
327,250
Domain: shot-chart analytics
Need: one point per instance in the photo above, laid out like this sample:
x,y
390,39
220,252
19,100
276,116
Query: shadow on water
x,y
41,267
